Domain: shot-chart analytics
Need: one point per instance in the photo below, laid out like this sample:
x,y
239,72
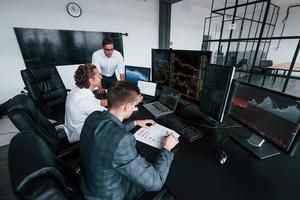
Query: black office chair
x,y
243,64
46,89
25,116
37,173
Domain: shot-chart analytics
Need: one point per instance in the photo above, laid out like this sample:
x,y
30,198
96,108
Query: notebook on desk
x,y
147,89
167,102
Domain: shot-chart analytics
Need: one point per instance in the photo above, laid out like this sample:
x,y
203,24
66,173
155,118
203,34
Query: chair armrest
x,y
71,156
69,152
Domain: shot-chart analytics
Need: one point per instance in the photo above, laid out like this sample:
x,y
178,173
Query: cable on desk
x,y
221,126
182,107
227,137
223,142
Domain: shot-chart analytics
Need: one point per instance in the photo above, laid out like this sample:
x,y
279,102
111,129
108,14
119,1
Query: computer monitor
x,y
198,81
179,69
134,74
187,67
270,115
214,91
161,69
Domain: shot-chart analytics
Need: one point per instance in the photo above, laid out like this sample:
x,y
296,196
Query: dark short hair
x,y
107,41
82,75
121,92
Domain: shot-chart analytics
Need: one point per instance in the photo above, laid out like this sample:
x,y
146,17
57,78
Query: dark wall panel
x,y
61,47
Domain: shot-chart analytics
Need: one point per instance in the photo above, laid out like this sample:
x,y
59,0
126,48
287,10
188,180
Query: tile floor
x,y
7,130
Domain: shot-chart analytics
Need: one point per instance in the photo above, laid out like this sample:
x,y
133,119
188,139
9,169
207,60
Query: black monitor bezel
x,y
291,148
195,101
227,93
137,67
159,86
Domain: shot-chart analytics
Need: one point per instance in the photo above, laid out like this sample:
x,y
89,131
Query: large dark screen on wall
x,y
273,115
61,47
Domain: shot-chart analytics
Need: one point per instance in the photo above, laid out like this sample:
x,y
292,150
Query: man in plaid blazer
x,y
111,167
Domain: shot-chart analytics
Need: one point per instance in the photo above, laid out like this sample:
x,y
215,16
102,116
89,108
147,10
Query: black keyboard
x,y
186,131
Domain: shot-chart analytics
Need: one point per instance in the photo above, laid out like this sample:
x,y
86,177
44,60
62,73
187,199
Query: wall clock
x,y
74,9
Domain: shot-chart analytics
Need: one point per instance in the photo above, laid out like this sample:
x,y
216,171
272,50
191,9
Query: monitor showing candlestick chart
x,y
180,69
191,73
187,69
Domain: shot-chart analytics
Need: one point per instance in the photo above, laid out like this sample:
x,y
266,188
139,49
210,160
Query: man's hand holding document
x,y
155,136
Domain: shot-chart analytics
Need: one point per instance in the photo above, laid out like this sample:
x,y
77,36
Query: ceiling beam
x,y
171,1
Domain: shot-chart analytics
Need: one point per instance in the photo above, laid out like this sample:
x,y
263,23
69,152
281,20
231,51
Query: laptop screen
x,y
134,74
169,97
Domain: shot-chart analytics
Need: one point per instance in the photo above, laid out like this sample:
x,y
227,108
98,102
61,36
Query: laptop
x,y
134,74
147,89
167,103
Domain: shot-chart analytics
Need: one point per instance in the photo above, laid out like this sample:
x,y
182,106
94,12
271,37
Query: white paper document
x,y
153,135
147,88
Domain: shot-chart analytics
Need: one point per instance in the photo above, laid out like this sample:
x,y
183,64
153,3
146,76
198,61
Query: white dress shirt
x,y
79,104
109,66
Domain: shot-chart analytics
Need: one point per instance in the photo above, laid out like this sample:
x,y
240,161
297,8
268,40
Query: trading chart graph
x,y
274,116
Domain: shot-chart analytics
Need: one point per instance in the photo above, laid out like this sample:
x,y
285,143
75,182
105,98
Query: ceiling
x,y
285,3
207,3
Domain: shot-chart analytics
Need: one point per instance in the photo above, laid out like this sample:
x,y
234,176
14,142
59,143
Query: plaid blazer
x,y
111,167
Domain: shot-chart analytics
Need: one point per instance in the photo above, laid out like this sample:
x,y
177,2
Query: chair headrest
x,y
41,73
23,102
39,160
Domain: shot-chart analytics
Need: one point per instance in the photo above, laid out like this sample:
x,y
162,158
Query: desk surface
x,y
285,66
195,174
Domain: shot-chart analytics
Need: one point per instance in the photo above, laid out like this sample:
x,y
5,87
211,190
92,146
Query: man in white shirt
x,y
110,63
81,101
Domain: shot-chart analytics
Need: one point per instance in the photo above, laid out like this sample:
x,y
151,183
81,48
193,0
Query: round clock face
x,y
74,9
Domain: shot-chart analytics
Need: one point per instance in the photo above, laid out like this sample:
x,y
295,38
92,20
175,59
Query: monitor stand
x,y
213,123
255,144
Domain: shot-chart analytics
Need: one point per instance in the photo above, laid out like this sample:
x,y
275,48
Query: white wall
x,y
187,24
137,17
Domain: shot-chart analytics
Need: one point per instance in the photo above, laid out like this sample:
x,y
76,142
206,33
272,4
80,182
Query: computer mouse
x,y
148,124
221,156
